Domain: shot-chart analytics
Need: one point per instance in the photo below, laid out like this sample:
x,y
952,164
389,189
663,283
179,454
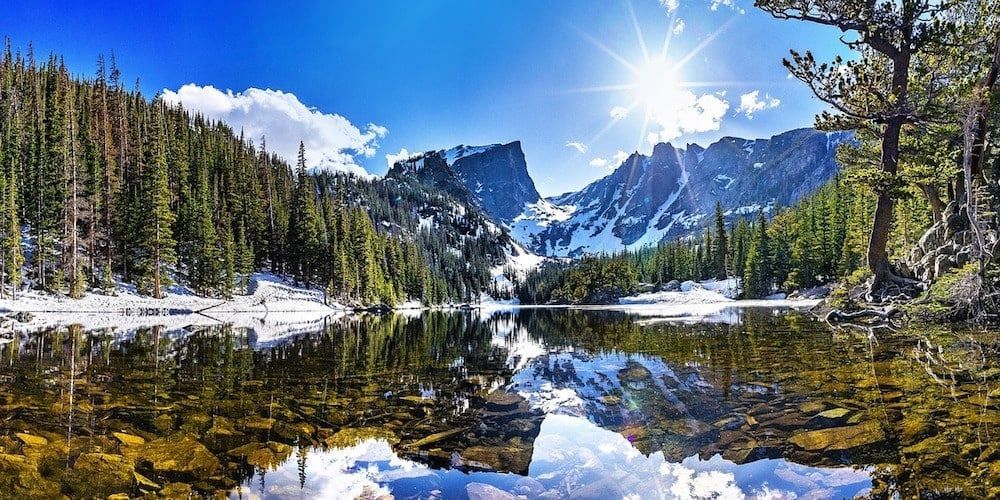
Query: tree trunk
x,y
979,143
934,200
878,257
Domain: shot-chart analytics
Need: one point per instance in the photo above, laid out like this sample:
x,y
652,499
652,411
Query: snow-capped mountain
x,y
495,177
673,192
649,198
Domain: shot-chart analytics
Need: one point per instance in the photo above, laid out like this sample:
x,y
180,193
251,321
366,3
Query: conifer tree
x,y
757,277
721,251
305,230
157,242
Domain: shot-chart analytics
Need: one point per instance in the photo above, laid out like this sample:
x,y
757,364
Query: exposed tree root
x,y
865,317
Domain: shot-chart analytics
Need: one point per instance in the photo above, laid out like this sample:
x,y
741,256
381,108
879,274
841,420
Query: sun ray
x,y
644,130
611,123
705,43
604,48
600,88
638,32
669,36
720,83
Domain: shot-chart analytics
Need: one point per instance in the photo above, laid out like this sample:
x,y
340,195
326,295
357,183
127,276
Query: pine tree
x,y
721,244
305,230
157,238
757,277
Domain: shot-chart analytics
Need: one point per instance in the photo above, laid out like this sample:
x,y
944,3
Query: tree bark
x,y
934,200
979,144
878,257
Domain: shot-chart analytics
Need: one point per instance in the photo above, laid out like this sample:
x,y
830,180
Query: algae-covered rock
x,y
20,478
177,453
164,422
834,413
839,438
100,475
177,490
351,436
257,423
32,440
501,458
222,426
128,439
294,430
264,455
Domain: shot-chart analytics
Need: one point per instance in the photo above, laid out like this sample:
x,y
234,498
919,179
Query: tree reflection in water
x,y
538,402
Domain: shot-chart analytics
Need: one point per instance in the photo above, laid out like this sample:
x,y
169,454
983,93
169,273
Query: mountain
x,y
648,198
672,191
494,177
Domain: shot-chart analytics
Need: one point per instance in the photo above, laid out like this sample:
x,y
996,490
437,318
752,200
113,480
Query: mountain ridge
x,y
647,199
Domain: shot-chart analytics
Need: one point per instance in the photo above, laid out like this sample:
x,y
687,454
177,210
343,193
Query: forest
x,y
101,185
913,212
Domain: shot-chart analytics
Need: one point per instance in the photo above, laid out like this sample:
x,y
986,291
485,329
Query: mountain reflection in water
x,y
545,403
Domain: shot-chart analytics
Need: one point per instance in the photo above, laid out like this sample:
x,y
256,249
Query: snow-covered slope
x,y
673,191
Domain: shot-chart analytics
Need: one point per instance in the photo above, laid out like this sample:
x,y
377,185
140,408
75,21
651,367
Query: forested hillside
x,y
818,240
101,185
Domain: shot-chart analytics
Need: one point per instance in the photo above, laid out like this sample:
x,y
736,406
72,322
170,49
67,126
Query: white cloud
x,y
599,162
403,154
750,103
682,112
679,27
620,157
618,112
670,5
332,142
715,4
578,146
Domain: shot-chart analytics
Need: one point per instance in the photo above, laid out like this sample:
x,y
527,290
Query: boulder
x,y
350,436
20,478
179,453
672,286
263,455
100,475
839,438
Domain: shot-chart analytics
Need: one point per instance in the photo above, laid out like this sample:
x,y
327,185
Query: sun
x,y
655,80
655,84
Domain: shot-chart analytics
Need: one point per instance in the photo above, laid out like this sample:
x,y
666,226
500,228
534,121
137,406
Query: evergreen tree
x,y
157,243
305,230
757,277
721,251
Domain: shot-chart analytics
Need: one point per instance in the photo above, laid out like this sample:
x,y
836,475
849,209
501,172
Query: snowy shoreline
x,y
276,307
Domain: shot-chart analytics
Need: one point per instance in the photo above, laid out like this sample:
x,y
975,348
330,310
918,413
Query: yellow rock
x,y
31,439
351,436
128,439
839,438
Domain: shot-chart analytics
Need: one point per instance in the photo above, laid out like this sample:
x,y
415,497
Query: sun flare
x,y
655,85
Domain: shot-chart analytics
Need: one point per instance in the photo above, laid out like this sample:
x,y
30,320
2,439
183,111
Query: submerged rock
x,y
834,413
19,478
100,475
178,453
264,455
351,436
839,438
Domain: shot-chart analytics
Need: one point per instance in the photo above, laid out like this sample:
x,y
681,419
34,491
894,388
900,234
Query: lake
x,y
540,403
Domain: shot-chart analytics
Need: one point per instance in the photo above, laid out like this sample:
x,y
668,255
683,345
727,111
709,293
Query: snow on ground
x,y
704,292
272,304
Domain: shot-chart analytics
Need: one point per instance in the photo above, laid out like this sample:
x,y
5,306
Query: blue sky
x,y
386,76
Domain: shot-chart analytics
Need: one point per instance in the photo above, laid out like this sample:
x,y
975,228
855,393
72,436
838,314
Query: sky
x,y
580,84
